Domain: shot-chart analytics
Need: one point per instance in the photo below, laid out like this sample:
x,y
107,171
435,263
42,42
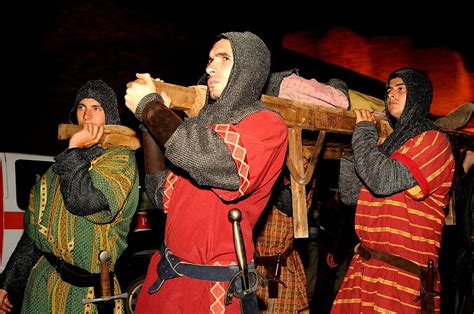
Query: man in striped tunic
x,y
401,187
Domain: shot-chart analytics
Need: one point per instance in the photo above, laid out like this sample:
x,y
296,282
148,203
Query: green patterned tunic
x,y
79,239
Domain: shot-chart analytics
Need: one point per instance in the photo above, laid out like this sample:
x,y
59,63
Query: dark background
x,y
51,48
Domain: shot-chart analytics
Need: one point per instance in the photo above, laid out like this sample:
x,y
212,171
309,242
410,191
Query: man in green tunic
x,y
83,204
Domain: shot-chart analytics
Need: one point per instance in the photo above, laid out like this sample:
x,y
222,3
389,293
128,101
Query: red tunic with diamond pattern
x,y
407,224
197,225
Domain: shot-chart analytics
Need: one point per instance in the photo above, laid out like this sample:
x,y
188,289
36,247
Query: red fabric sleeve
x,y
256,143
428,157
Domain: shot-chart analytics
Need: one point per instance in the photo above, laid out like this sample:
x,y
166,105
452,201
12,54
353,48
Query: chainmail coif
x,y
241,96
413,119
100,91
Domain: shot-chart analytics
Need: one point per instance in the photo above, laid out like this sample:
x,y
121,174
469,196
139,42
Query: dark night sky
x,y
52,48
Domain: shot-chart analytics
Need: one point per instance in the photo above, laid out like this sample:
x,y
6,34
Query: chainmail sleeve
x,y
204,155
15,275
154,187
349,182
80,196
381,174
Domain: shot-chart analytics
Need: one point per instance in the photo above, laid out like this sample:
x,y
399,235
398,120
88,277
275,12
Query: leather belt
x,y
72,274
427,275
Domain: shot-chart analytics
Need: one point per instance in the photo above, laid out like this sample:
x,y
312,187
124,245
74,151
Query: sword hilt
x,y
244,274
104,258
235,217
105,289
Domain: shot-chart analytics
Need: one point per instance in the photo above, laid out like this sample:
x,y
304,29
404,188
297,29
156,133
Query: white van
x,y
18,174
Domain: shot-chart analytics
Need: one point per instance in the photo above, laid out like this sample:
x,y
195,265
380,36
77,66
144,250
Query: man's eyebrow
x,y
398,84
222,54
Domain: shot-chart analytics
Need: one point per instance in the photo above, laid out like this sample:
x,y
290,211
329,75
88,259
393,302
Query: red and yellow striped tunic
x,y
407,224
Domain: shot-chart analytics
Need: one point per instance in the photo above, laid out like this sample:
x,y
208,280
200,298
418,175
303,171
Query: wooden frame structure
x,y
300,116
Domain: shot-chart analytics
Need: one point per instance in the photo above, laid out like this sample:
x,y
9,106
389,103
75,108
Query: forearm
x,y
349,182
154,169
153,155
161,121
21,262
154,188
80,196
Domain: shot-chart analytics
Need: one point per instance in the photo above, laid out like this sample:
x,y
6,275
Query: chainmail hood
x,y
249,74
413,119
100,91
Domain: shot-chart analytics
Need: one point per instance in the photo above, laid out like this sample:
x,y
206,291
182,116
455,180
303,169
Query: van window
x,y
28,172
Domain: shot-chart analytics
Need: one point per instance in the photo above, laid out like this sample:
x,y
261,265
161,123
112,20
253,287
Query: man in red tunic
x,y
226,157
400,188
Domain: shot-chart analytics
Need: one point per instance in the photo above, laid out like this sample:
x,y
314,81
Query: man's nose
x,y
210,69
87,114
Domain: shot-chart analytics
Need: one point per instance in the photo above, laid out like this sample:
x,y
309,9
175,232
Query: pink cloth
x,y
295,87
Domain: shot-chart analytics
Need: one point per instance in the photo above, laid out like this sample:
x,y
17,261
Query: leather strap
x,y
271,260
427,275
390,259
72,274
160,120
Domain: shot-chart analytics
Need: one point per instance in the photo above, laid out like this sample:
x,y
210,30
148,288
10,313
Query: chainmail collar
x,y
413,119
249,74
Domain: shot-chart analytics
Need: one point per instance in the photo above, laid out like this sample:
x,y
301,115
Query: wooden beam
x,y
294,162
113,135
300,177
304,115
299,116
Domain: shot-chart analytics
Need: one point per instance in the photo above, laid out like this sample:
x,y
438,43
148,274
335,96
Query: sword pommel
x,y
235,215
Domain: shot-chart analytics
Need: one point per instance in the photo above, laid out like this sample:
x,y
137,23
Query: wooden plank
x,y
113,135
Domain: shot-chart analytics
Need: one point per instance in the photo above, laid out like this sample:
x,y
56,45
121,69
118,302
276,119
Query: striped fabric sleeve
x,y
428,157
